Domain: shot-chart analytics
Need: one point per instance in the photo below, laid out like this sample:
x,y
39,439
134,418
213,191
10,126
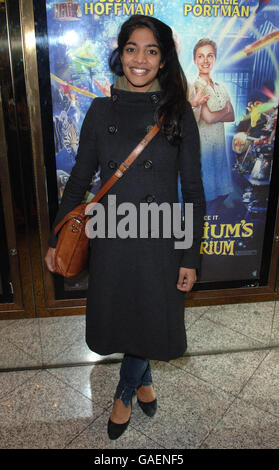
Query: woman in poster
x,y
212,107
136,289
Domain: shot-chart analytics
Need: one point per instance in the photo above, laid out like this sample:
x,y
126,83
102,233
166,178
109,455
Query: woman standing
x,y
212,108
136,289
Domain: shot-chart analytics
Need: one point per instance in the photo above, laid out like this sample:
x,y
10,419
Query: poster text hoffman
x,y
123,7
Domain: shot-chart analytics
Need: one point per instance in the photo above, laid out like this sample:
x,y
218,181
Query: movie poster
x,y
229,50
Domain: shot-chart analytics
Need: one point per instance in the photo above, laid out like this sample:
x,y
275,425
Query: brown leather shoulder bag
x,y
72,249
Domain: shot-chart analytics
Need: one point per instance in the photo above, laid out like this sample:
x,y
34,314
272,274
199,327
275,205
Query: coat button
x,y
112,165
114,98
154,99
149,198
112,129
147,164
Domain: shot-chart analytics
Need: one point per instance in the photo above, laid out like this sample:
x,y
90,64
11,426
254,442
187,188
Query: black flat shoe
x,y
148,408
116,430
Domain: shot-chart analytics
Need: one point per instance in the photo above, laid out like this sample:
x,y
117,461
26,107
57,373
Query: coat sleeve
x,y
191,185
82,172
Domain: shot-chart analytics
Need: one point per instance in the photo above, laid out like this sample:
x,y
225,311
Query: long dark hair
x,y
171,76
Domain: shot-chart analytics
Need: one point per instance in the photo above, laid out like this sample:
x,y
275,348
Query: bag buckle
x,y
76,228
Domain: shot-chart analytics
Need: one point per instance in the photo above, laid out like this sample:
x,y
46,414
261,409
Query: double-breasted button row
x,y
154,98
147,164
112,128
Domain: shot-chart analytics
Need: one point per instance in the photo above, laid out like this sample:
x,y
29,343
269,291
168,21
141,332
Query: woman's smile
x,y
138,71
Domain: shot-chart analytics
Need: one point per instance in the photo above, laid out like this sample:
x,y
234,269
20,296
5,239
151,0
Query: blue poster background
x,y
81,36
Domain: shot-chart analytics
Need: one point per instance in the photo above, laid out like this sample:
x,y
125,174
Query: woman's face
x,y
141,59
205,59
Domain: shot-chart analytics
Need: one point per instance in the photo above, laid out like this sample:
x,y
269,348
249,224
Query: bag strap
x,y
123,167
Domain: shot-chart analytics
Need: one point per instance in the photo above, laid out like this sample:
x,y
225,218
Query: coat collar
x,y
120,92
122,84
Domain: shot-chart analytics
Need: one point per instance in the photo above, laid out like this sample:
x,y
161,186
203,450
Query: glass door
x,y
16,291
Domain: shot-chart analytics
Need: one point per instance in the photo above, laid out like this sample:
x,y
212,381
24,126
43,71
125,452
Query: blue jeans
x,y
134,372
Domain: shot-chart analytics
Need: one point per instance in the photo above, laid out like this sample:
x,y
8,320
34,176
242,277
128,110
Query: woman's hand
x,y
186,279
199,98
49,259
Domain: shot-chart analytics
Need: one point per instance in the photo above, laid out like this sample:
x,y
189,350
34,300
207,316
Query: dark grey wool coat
x,y
133,304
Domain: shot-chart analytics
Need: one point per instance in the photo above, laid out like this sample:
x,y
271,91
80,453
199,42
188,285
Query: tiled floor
x,y
223,394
